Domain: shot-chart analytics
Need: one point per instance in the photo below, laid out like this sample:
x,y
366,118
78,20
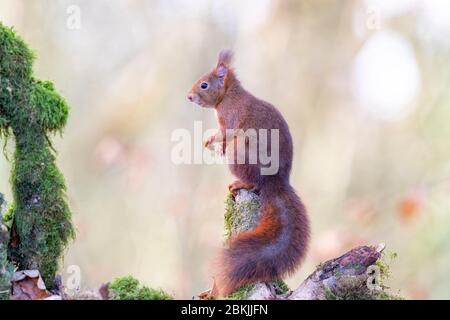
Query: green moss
x,y
281,287
8,216
245,291
359,294
337,273
240,216
352,289
384,265
128,288
230,207
6,272
31,109
6,268
242,293
50,108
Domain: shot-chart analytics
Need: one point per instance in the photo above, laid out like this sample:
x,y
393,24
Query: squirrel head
x,y
210,89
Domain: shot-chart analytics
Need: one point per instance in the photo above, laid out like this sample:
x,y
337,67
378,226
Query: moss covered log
x,y
31,110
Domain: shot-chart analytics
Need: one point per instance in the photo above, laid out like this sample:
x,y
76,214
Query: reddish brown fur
x,y
278,244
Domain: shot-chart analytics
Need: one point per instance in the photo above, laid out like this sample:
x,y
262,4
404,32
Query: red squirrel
x,y
278,244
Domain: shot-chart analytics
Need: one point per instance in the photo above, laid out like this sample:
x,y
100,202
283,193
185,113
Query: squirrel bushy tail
x,y
273,248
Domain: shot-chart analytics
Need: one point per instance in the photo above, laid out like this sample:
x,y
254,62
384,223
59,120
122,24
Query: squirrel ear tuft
x,y
223,62
221,71
225,57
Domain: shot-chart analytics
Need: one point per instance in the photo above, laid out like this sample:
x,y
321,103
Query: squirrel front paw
x,y
209,142
221,149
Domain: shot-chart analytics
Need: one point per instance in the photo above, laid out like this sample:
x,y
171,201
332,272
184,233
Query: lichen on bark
x,y
241,212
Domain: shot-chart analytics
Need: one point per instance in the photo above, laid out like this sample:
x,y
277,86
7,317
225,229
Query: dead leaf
x,y
28,285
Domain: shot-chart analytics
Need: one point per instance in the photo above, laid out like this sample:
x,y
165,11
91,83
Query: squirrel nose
x,y
190,97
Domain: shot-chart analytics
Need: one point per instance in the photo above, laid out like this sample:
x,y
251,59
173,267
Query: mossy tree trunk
x,y
41,217
31,110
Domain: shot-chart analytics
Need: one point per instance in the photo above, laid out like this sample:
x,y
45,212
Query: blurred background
x,y
364,86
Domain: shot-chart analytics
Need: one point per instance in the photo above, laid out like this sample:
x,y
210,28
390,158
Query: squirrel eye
x,y
204,85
